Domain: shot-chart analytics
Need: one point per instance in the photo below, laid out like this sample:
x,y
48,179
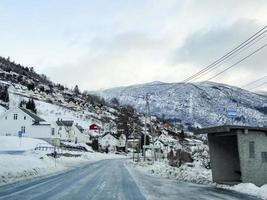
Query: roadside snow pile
x,y
13,143
248,188
18,167
195,174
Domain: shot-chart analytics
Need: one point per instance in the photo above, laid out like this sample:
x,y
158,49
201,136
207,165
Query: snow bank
x,y
248,188
18,167
196,174
13,143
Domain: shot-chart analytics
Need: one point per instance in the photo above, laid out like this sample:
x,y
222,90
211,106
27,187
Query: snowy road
x,y
109,179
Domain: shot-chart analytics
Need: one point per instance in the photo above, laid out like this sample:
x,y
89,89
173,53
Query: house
x,y
158,143
133,143
109,140
70,131
64,129
163,137
80,135
94,131
30,124
238,153
94,127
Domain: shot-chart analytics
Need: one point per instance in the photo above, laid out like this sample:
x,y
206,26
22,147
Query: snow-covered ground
x,y
30,163
196,174
248,188
13,143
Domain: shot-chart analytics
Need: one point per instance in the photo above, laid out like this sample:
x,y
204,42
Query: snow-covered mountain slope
x,y
199,104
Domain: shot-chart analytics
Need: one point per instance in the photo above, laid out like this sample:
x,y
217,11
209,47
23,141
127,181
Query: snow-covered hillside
x,y
199,104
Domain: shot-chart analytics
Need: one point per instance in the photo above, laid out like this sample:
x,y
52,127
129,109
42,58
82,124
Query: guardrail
x,y
59,149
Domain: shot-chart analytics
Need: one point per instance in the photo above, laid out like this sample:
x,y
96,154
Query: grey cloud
x,y
205,46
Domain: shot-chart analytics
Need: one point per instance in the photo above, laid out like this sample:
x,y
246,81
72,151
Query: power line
x,y
236,49
251,54
255,81
229,58
264,83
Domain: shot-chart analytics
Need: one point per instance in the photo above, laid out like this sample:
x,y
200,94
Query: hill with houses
x,y
71,114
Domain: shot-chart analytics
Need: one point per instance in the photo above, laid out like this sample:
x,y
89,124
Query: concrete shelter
x,y
238,153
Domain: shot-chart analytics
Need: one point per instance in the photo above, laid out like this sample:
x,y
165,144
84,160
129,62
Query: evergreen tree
x,y
76,90
22,103
115,102
31,105
4,94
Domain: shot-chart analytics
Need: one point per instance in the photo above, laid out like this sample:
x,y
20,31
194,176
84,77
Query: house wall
x,y
254,170
81,137
224,158
10,126
108,140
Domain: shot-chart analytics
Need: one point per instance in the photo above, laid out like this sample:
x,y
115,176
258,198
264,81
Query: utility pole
x,y
151,127
144,149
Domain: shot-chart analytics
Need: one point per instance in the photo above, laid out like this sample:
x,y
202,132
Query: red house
x,y
94,127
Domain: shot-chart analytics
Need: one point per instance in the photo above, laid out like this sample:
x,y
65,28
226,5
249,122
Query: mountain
x,y
194,104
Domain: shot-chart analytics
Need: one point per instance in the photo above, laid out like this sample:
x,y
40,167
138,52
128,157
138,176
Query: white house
x,y
30,124
80,135
69,131
164,138
109,140
159,144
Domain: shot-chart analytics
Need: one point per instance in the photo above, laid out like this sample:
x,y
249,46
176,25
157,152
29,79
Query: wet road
x,y
110,179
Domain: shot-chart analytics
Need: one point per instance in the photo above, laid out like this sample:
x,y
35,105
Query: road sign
x,y
231,113
20,134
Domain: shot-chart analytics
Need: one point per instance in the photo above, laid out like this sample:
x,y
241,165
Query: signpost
x,y
20,136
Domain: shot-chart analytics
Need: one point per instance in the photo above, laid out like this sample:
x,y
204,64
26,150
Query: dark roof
x,y
65,122
228,129
36,118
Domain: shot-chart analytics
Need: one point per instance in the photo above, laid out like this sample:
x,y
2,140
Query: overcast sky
x,y
106,43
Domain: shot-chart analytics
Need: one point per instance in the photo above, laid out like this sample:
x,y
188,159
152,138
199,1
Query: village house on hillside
x,y
28,124
70,131
112,142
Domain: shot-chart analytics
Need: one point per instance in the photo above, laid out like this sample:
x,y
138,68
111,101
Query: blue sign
x,y
20,134
231,113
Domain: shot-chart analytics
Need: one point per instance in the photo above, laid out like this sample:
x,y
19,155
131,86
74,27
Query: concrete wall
x,y
253,169
224,158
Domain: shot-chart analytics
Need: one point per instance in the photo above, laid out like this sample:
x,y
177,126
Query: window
x,y
15,116
53,131
23,129
264,157
251,149
24,117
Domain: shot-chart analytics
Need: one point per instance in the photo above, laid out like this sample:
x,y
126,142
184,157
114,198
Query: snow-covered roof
x,y
34,116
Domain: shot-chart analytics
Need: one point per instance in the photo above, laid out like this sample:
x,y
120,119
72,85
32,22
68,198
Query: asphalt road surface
x,y
110,179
